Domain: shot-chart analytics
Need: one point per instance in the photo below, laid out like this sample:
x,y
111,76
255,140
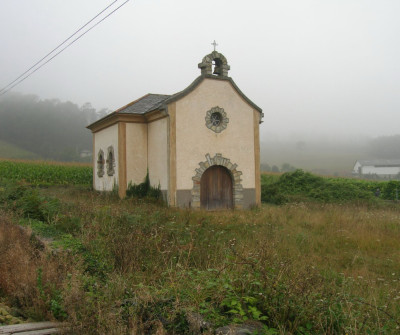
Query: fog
x,y
319,69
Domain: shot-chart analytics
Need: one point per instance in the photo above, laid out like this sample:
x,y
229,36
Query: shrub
x,y
34,206
29,201
300,185
391,190
144,189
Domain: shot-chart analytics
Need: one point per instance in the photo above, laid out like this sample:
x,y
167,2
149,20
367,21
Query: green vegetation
x,y
46,173
144,189
303,186
115,266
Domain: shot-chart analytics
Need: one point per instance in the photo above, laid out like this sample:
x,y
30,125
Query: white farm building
x,y
383,168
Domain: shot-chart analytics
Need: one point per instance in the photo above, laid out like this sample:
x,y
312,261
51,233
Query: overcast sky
x,y
313,66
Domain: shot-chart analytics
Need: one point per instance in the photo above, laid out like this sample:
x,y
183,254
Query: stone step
x,y
34,328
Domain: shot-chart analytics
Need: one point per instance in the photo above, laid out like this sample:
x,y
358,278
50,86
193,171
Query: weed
x,y
144,189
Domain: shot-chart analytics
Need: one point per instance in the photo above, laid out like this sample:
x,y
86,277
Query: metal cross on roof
x,y
214,44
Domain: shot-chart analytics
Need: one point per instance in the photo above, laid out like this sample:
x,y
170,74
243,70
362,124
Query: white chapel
x,y
200,145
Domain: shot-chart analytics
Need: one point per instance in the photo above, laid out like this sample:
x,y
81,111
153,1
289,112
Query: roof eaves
x,y
104,118
379,162
244,96
184,92
131,103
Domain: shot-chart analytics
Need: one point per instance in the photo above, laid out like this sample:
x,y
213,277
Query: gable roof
x,y
139,108
379,162
152,102
199,80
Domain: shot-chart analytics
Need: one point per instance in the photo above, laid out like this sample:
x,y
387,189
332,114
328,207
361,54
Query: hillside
x,y
50,129
327,155
321,156
12,151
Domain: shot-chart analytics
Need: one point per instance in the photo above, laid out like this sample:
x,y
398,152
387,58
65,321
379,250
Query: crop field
x,y
323,261
46,173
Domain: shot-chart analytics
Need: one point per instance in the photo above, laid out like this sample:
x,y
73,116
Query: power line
x,y
39,61
7,88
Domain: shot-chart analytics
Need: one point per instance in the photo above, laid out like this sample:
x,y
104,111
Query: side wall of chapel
x,y
136,152
158,153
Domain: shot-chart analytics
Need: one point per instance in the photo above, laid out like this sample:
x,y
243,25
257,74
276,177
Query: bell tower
x,y
214,64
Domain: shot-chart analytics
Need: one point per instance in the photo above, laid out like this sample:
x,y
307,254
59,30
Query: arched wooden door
x,y
216,190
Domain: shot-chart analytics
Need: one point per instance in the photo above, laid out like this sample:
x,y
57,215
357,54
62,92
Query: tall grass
x,y
137,267
30,279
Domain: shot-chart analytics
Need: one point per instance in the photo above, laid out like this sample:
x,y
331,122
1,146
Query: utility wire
x,y
7,88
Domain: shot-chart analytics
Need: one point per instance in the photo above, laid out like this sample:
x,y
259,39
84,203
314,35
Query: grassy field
x,y
111,266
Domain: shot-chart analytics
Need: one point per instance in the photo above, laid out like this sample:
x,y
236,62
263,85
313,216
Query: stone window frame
x,y
218,159
100,163
110,161
224,120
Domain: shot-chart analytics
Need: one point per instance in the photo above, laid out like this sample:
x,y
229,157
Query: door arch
x,y
216,188
235,174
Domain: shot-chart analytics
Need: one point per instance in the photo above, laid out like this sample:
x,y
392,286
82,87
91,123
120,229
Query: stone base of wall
x,y
184,199
164,194
249,198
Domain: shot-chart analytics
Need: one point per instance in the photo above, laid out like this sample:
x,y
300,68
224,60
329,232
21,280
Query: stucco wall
x,y
102,140
380,170
136,152
194,140
158,153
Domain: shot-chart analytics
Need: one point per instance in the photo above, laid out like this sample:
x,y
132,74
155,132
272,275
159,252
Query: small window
x,y
110,161
100,163
216,119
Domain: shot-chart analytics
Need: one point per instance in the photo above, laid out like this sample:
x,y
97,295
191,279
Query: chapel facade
x,y
200,145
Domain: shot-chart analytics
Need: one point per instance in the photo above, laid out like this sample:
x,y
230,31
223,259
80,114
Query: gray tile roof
x,y
143,105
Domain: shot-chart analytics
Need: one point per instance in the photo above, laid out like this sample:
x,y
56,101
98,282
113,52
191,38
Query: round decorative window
x,y
216,119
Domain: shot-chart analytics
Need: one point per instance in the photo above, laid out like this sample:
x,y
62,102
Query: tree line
x,y
50,128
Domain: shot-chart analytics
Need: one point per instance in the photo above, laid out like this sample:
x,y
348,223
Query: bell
x,y
217,70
